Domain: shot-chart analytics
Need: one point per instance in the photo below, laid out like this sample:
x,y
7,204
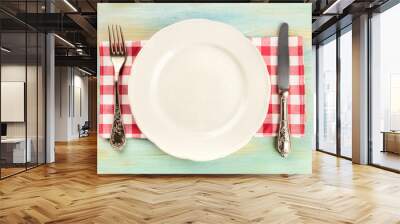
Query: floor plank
x,y
387,159
70,191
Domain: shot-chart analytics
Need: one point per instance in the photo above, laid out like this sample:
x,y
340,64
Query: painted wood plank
x,y
140,21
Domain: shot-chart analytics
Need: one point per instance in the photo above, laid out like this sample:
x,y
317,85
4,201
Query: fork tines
x,y
117,43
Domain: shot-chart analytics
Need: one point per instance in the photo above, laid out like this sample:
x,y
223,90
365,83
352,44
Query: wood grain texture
x,y
70,191
141,21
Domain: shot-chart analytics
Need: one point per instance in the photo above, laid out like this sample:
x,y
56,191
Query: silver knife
x,y
283,141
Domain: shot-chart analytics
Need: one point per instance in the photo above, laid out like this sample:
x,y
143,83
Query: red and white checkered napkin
x,y
268,49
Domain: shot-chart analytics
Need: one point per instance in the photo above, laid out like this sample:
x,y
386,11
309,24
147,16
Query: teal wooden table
x,y
254,20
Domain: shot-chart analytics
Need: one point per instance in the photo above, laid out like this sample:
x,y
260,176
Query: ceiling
x,y
75,20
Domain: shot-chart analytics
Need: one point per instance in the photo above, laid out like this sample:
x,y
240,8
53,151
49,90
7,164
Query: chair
x,y
84,130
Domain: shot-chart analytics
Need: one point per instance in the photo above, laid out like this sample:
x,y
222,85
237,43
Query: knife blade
x,y
283,141
283,57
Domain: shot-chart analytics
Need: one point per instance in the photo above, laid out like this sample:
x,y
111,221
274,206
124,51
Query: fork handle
x,y
117,139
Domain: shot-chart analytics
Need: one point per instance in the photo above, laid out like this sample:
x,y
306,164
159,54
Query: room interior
x,y
22,104
49,114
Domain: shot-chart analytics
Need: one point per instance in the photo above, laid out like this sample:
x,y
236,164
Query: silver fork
x,y
118,58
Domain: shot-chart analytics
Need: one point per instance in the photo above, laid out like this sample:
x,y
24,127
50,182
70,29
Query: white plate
x,y
199,90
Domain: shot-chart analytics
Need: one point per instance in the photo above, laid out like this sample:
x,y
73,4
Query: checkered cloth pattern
x,y
268,49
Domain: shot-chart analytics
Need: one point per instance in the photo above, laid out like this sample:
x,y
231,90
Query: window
x,y
22,77
385,89
327,97
346,93
333,137
394,105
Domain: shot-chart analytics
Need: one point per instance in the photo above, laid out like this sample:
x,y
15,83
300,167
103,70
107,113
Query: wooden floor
x,y
8,171
387,159
70,191
5,172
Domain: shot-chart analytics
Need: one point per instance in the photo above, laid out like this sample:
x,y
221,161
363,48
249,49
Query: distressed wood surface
x,y
140,21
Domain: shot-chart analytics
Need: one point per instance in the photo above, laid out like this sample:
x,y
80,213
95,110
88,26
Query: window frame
x,y
27,29
334,37
381,9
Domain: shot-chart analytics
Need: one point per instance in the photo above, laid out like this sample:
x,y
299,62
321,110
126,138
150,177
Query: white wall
x,y
80,84
33,127
69,82
9,73
16,72
62,81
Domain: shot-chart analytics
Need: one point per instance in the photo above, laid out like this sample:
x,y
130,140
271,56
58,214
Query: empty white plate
x,y
199,90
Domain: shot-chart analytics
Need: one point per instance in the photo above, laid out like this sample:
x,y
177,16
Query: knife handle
x,y
283,143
